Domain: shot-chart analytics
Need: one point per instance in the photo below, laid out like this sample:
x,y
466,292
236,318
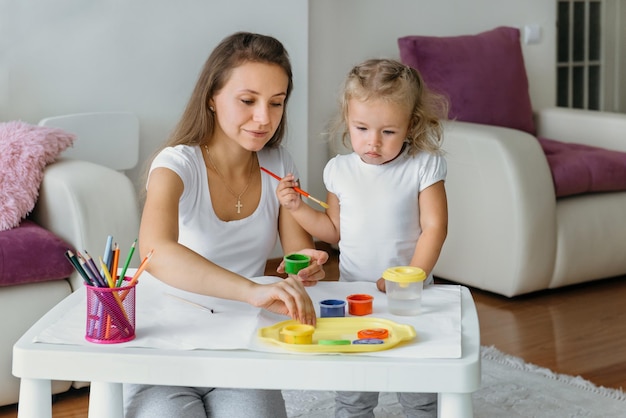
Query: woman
x,y
212,219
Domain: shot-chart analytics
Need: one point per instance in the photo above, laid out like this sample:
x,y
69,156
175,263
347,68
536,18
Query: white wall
x,y
70,56
67,56
345,32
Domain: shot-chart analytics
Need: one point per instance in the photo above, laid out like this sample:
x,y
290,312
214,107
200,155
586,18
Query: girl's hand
x,y
310,275
287,196
380,284
286,297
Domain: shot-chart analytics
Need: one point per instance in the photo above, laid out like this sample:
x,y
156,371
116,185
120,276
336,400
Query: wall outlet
x,y
532,33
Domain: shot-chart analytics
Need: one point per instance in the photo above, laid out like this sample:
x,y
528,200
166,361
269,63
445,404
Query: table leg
x,y
455,405
106,400
35,400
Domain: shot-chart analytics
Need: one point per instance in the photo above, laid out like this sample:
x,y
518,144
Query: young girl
x,y
213,220
387,201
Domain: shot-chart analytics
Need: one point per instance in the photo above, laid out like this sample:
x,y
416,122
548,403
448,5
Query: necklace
x,y
238,196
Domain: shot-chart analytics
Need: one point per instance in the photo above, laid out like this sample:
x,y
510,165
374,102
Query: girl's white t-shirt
x,y
379,210
242,246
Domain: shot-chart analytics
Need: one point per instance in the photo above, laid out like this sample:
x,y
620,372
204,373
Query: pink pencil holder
x,y
110,314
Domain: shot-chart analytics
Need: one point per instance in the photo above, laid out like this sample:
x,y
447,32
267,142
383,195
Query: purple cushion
x,y
580,168
30,253
482,75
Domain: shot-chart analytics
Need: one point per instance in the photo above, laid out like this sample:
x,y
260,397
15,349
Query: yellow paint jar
x,y
297,334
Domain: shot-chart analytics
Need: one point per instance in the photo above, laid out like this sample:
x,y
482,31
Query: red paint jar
x,y
360,304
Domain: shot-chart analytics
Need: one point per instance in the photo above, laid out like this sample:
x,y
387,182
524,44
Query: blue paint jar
x,y
332,308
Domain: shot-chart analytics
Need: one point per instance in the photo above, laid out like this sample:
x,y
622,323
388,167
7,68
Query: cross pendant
x,y
238,206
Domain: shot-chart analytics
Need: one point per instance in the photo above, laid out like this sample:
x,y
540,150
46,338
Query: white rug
x,y
510,388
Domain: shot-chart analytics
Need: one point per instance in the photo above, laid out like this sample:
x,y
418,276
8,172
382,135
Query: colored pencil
x,y
297,189
107,329
140,270
81,271
117,298
120,280
107,254
116,260
85,266
100,282
107,275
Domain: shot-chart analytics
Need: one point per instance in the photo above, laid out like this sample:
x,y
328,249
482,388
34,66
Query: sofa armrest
x,y
83,203
501,205
588,127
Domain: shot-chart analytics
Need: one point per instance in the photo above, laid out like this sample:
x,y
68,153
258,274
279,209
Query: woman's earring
x,y
211,108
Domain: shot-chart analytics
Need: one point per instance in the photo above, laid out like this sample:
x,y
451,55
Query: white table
x,y
107,367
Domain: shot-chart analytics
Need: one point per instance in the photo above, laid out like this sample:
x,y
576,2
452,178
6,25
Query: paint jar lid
x,y
380,333
404,274
334,342
360,298
368,341
333,303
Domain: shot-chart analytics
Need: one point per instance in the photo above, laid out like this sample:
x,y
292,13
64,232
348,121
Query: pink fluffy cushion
x,y
578,168
482,75
25,150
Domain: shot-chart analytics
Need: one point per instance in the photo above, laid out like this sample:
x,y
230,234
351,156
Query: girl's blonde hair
x,y
392,81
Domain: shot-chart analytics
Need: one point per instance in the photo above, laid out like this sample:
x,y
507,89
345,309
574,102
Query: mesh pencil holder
x,y
110,314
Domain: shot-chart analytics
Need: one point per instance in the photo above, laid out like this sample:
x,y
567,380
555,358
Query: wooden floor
x,y
579,330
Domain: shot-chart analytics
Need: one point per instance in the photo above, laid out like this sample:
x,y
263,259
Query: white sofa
x,y
72,204
508,233
81,202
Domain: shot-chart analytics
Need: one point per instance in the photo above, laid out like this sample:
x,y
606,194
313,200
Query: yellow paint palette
x,y
340,330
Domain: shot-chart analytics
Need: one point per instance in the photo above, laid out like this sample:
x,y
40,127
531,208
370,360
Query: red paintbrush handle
x,y
297,189
270,173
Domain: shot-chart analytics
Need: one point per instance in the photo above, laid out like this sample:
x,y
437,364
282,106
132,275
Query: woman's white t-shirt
x,y
242,246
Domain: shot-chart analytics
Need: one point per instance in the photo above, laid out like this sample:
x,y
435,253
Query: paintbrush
x,y
197,305
297,189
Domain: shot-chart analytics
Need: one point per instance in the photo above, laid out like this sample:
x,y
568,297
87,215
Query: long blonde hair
x,y
390,80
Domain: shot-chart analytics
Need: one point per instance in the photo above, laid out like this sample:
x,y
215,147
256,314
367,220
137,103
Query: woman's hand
x,y
286,297
310,275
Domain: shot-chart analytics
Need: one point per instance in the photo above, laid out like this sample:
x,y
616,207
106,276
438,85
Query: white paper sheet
x,y
166,322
